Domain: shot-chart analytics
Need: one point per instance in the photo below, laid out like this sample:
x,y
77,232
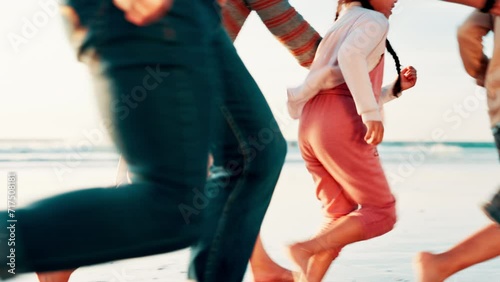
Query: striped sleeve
x,y
234,15
298,36
295,33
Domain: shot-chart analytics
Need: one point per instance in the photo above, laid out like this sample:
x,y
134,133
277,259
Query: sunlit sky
x,y
46,93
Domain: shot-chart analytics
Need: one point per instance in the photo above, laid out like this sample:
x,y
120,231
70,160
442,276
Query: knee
x,y
279,152
386,218
382,220
269,155
277,158
392,217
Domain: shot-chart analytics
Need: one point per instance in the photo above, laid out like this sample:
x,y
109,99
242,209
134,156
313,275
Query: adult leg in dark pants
x,y
250,150
157,87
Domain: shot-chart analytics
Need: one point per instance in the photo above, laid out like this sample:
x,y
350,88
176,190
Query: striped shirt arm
x,y
290,28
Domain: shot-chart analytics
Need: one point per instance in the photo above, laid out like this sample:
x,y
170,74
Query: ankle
x,y
444,264
265,266
305,247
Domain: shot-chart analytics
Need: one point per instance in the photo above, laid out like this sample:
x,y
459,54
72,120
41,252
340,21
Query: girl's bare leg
x,y
319,264
264,269
342,232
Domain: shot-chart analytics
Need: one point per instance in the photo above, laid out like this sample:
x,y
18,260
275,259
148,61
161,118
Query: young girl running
x,y
340,126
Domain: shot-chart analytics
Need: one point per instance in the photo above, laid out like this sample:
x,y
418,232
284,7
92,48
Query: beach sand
x,y
438,206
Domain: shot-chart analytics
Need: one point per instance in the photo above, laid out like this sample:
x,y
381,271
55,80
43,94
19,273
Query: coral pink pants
x,y
347,171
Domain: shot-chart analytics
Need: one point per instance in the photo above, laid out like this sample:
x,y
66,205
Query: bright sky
x,y
46,93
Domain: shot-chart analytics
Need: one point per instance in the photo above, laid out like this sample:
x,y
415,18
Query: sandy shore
x,y
437,205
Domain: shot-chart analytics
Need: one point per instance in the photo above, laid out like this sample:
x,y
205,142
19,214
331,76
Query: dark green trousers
x,y
169,93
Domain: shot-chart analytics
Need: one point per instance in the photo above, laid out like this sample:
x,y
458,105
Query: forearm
x,y
473,3
386,94
234,15
475,66
470,38
356,75
295,33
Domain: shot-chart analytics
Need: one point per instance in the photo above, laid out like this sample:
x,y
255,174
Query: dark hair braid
x,y
397,87
367,5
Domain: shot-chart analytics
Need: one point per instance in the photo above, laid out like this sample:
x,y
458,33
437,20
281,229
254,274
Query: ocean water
x,y
439,189
27,152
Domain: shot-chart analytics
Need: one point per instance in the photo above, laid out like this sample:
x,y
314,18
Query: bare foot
x,y
319,263
427,267
277,274
55,276
300,256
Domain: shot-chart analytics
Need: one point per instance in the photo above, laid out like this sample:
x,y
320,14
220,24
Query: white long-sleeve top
x,y
351,48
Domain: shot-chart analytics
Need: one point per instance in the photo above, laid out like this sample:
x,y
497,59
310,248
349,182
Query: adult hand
x,y
143,12
375,132
408,78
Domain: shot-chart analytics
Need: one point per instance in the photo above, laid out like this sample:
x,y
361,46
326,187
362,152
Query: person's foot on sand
x,y
319,264
275,273
55,276
428,268
300,256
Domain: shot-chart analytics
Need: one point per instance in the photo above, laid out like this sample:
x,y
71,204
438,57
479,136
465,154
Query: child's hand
x,y
374,132
408,78
143,12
